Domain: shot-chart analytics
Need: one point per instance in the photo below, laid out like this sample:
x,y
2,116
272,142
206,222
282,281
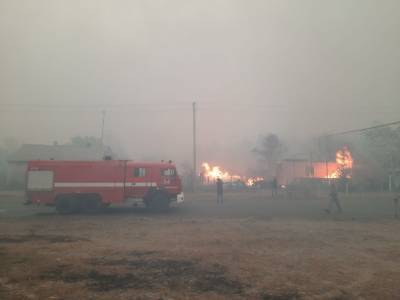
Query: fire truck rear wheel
x,y
92,204
66,205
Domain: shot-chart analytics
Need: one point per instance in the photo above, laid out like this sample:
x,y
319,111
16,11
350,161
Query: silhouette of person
x,y
220,191
333,199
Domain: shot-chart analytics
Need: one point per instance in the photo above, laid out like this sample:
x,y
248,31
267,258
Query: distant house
x,y
292,169
17,162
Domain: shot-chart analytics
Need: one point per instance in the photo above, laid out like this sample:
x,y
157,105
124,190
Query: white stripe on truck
x,y
104,184
88,184
140,184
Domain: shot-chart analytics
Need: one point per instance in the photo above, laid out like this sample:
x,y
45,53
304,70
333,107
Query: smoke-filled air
x,y
182,149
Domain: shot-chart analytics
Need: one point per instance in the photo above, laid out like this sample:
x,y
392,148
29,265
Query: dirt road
x,y
252,247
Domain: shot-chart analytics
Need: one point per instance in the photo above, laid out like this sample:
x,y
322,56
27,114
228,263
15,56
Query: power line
x,y
171,103
363,129
194,175
90,109
164,107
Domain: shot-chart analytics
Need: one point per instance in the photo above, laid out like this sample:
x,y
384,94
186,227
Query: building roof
x,y
29,152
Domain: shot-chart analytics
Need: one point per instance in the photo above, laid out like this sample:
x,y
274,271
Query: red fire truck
x,y
89,186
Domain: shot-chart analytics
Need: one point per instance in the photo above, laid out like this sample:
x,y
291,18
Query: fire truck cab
x,y
73,186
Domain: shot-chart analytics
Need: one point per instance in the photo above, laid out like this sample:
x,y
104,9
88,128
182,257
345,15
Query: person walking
x,y
396,207
333,199
396,199
220,191
274,186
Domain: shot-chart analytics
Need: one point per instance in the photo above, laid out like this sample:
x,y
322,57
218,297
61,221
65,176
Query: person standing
x,y
396,199
220,191
274,186
334,199
396,207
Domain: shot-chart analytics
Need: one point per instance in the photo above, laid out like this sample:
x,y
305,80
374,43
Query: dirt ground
x,y
251,247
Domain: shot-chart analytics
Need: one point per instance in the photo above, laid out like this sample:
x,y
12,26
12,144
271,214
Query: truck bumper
x,y
180,198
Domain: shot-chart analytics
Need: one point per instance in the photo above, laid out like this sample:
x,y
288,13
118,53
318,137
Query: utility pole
x,y
103,112
194,176
326,159
390,174
324,153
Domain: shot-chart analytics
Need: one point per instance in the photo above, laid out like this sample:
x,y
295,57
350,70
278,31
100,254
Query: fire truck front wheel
x,y
158,202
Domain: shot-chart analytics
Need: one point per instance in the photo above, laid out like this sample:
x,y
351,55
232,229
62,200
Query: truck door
x,y
169,179
138,181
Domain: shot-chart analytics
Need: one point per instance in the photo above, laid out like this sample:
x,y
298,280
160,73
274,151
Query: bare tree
x,y
270,149
383,147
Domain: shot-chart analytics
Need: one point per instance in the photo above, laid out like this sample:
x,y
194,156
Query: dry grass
x,y
252,247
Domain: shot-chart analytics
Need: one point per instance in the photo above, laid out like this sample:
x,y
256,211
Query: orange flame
x,y
344,162
344,158
212,173
252,181
215,172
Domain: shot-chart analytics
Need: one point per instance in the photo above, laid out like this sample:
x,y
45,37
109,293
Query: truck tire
x,y
92,204
66,205
158,202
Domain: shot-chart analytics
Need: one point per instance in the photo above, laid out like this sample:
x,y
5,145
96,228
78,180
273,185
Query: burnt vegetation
x,y
15,239
138,272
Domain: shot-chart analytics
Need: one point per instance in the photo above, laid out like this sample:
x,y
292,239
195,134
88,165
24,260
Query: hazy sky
x,y
296,68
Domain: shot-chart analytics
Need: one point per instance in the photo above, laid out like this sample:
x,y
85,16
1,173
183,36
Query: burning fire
x,y
215,172
252,181
212,173
344,158
344,162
